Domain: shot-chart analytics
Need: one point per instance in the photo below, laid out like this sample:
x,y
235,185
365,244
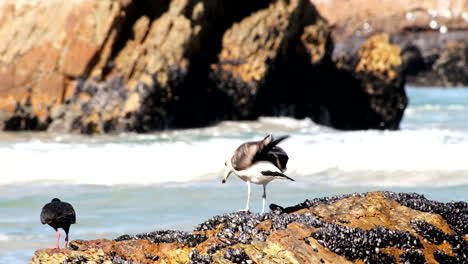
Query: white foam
x,y
106,164
363,158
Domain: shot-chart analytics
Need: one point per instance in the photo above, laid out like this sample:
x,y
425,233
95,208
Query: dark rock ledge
x,y
376,227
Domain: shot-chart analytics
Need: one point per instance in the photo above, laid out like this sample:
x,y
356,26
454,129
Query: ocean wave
x,y
435,108
321,155
388,178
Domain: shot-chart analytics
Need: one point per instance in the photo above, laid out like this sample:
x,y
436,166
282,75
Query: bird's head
x,y
55,200
227,170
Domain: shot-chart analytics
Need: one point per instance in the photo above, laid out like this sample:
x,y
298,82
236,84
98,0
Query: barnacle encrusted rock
x,y
376,227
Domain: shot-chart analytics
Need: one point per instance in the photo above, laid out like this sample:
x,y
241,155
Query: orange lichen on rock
x,y
379,57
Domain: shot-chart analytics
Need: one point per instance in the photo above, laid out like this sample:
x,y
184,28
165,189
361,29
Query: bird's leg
x,y
247,207
66,240
264,198
58,239
66,229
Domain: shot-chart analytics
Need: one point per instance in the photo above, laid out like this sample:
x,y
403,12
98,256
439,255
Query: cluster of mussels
x,y
238,227
197,258
237,256
119,260
456,215
413,257
352,243
167,236
355,243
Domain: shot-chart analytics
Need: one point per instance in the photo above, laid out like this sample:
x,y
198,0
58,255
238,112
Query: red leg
x,y
58,239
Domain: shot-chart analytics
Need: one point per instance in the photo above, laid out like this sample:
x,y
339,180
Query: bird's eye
x,y
225,163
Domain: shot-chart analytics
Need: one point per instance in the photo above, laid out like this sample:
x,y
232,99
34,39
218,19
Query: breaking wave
x,y
317,154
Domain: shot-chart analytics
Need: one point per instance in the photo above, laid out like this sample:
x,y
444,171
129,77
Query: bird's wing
x,y
48,213
272,153
263,150
278,157
244,155
67,213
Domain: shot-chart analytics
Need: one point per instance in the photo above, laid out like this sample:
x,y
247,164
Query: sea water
x,y
133,183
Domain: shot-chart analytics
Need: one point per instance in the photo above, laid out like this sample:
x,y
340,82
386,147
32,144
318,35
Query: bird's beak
x,y
227,172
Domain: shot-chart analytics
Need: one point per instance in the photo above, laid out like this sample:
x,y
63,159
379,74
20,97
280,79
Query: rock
x,y
143,77
253,47
432,34
44,46
379,69
127,65
434,59
376,227
274,67
147,75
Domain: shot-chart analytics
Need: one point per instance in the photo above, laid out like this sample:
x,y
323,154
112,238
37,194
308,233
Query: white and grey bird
x,y
258,162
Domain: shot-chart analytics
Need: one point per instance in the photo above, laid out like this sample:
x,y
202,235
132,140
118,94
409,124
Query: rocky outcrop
x,y
44,47
268,65
117,66
254,47
378,227
432,34
128,65
141,80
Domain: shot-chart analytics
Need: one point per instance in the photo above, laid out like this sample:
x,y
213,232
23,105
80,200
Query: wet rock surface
x,y
376,227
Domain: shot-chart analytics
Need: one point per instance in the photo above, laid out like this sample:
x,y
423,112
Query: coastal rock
x,y
379,69
362,91
128,65
145,66
136,88
284,66
252,48
434,59
44,47
432,34
376,227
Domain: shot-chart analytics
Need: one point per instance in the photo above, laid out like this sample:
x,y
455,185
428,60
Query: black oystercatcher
x,y
58,214
258,162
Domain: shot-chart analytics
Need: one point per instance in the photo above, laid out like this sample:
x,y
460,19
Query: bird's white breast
x,y
254,172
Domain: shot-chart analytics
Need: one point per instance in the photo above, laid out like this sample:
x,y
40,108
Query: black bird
x,y
58,214
258,162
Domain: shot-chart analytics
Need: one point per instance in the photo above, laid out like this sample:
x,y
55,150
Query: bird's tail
x,y
277,174
287,177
